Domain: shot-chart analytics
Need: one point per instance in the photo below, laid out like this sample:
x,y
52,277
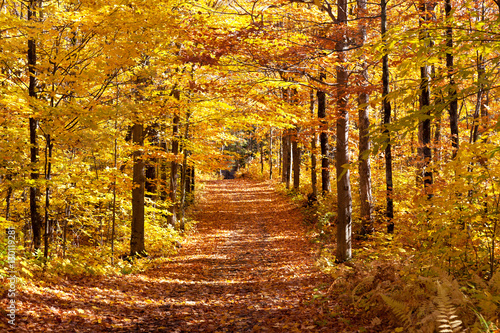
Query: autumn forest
x,y
250,166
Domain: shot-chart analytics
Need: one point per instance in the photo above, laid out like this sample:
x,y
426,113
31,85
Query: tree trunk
x,y
163,173
425,102
287,158
48,169
314,142
36,219
342,158
271,153
174,165
262,157
387,120
192,180
478,111
151,166
184,175
137,231
365,182
113,218
296,152
323,138
452,91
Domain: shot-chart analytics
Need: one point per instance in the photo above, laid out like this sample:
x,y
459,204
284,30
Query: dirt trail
x,y
248,268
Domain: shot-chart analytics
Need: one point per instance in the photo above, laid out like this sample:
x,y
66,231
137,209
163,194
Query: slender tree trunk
x,y
452,91
342,158
262,157
296,152
386,104
151,166
270,153
314,142
365,182
184,175
437,136
174,165
113,223
163,173
323,139
287,159
425,102
48,170
474,135
139,179
280,156
192,180
36,219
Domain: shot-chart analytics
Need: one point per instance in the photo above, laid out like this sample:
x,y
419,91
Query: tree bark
x,y
425,102
36,219
287,158
314,142
271,153
323,139
452,90
174,166
365,182
262,157
139,179
342,158
296,152
48,170
184,175
151,166
474,135
386,105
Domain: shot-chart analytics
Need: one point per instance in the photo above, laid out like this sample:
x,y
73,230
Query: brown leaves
x,y
248,268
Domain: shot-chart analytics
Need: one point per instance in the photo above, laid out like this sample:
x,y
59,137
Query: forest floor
x,y
248,268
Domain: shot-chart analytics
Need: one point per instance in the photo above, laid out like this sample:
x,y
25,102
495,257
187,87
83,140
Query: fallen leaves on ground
x,y
247,268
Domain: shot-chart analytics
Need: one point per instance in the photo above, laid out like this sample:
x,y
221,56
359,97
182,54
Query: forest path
x,y
247,268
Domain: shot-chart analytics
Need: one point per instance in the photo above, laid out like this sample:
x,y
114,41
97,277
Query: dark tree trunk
x,y
452,91
296,152
342,157
323,138
271,153
48,170
184,174
139,179
262,157
425,102
365,182
478,111
163,173
192,180
314,142
36,218
151,166
287,159
387,120
174,166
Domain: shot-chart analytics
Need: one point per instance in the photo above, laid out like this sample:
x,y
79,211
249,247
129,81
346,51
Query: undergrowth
x,y
437,273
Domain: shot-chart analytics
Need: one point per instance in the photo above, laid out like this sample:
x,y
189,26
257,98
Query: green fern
x,y
448,321
400,309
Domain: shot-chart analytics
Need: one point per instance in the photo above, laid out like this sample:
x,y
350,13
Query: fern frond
x,y
400,309
449,322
